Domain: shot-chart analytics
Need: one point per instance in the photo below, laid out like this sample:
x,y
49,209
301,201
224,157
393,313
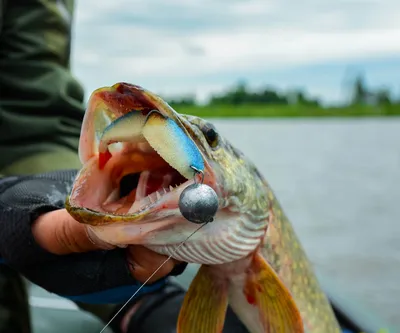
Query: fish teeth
x,y
141,204
114,195
150,198
135,207
146,202
166,180
141,188
115,147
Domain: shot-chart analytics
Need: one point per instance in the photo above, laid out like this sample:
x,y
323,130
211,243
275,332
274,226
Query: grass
x,y
261,111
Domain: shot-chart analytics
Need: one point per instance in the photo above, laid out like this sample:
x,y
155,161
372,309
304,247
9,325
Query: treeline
x,y
241,94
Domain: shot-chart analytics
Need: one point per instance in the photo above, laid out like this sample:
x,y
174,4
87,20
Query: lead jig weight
x,y
198,203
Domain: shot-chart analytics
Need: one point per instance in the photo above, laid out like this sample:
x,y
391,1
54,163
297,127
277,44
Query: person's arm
x,y
41,102
41,240
2,4
41,108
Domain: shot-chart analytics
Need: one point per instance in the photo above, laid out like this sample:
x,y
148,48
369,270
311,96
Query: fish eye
x,y
211,135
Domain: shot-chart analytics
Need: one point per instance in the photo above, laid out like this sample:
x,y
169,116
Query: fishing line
x,y
149,278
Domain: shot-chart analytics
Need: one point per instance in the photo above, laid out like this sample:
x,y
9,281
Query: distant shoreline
x,y
286,111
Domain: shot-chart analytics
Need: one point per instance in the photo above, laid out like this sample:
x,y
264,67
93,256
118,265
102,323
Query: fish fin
x,y
204,306
265,305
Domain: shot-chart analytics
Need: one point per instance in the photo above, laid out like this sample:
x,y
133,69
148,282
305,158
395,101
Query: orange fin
x,y
205,304
269,301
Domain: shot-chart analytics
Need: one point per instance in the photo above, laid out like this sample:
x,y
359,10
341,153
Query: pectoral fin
x,y
267,305
204,306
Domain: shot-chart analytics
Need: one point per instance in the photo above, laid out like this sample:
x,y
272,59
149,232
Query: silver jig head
x,y
198,203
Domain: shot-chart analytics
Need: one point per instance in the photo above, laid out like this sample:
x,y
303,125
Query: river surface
x,y
339,183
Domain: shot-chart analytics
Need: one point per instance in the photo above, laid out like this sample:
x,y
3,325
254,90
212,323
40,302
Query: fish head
x,y
138,155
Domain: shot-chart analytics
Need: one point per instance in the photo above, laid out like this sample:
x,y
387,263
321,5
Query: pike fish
x,y
138,156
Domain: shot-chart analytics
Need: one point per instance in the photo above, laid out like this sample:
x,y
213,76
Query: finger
x,y
58,233
144,262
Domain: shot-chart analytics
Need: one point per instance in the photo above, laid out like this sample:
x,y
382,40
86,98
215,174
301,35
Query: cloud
x,y
201,46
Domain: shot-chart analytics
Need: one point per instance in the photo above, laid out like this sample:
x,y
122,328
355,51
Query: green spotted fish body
x,y
283,250
250,256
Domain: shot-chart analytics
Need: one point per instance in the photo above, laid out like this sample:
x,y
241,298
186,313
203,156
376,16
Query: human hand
x,y
45,244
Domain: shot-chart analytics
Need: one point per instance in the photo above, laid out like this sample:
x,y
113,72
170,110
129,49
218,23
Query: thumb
x,y
58,233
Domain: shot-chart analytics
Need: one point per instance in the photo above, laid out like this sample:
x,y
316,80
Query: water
x,y
339,183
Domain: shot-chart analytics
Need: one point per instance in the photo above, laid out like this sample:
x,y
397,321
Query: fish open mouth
x,y
140,179
141,164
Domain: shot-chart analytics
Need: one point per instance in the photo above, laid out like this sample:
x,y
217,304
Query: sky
x,y
178,47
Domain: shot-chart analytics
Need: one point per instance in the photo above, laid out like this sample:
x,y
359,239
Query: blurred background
x,y
309,90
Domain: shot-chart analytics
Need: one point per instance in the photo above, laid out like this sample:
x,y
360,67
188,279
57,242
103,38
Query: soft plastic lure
x,y
163,134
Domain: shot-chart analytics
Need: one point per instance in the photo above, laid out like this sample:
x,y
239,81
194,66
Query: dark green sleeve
x,y
41,103
41,107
